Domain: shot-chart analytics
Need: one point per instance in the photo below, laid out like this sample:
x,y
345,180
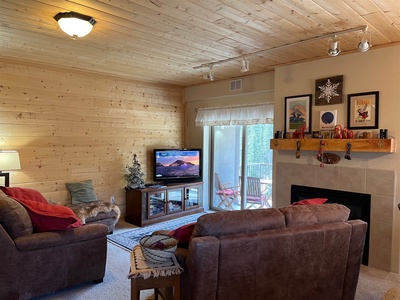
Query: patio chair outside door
x,y
227,194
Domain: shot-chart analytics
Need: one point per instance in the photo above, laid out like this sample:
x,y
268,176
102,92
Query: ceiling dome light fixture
x,y
334,49
75,24
245,65
364,41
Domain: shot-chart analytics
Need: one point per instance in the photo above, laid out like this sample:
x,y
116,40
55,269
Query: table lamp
x,y
9,160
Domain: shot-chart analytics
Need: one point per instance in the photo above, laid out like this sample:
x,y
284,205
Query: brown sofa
x,y
297,252
35,264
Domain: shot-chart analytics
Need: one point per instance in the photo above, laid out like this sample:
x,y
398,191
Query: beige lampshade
x,y
9,160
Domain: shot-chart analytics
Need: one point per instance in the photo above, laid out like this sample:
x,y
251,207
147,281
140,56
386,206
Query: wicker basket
x,y
157,248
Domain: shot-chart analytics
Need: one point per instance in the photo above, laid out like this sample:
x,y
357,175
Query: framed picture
x,y
327,119
329,90
298,113
326,134
363,110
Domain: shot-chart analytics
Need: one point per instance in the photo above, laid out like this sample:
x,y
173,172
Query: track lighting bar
x,y
241,57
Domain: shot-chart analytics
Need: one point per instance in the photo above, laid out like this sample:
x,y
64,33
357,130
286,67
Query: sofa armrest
x,y
59,238
201,268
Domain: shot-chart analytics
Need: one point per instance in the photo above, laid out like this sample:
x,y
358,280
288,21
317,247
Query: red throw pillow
x,y
183,234
311,201
50,217
24,194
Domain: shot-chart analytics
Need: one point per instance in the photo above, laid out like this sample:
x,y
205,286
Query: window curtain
x,y
236,115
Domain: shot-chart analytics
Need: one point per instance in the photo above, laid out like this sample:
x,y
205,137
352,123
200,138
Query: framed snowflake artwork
x,y
363,110
329,90
298,113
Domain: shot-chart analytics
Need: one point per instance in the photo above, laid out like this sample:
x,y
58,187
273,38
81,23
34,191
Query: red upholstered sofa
x,y
299,252
35,262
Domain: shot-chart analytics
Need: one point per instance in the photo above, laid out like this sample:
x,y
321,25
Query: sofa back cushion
x,y
303,215
243,221
14,217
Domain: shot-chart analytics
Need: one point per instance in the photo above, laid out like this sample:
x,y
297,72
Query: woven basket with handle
x,y
158,248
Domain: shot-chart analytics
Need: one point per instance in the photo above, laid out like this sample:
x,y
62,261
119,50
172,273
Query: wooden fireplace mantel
x,y
357,145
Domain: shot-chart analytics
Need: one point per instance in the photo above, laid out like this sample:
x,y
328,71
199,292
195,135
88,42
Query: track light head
x,y
334,49
245,65
210,75
364,41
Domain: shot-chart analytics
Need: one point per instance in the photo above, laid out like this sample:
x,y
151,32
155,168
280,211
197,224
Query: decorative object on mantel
x,y
298,145
328,158
363,110
327,119
134,175
329,90
320,155
348,147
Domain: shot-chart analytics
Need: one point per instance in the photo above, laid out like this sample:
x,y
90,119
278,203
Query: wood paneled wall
x,y
71,126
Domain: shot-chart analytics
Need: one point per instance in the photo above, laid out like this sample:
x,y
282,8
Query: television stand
x,y
152,205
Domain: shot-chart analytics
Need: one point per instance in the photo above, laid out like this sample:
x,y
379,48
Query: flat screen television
x,y
177,165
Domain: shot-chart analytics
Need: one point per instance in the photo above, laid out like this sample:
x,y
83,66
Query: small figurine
x,y
338,132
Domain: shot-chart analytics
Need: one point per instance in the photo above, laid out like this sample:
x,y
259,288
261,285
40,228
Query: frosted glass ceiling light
x,y
245,65
75,24
365,41
334,46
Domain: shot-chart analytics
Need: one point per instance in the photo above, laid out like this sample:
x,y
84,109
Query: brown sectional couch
x,y
297,252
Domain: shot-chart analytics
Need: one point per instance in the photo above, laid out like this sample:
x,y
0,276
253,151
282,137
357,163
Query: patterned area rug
x,y
129,239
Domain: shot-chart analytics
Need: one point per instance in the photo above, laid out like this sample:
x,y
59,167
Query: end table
x,y
146,275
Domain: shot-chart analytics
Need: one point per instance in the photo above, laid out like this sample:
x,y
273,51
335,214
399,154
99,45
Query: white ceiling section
x,y
161,41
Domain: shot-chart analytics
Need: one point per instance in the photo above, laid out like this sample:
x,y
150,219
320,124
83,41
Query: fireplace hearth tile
x,y
380,182
352,179
381,209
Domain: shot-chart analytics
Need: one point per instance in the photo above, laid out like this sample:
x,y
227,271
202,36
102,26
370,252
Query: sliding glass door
x,y
241,167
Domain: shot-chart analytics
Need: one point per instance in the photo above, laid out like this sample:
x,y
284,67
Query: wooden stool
x,y
145,275
171,283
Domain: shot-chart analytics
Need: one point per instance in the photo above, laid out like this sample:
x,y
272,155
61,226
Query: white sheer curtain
x,y
236,115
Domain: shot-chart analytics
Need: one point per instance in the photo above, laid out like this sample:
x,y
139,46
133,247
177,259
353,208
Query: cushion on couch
x,y
14,217
303,215
183,234
311,201
81,192
24,194
238,221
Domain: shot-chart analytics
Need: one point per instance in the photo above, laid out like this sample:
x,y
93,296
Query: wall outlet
x,y
112,200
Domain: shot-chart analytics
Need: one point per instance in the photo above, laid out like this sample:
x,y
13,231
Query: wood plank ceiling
x,y
162,41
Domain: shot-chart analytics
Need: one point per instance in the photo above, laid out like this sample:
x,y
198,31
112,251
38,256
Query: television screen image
x,y
173,164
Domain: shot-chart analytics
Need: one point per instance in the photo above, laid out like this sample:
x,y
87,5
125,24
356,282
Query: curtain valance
x,y
236,115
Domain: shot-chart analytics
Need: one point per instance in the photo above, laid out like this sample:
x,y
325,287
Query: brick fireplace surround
x,y
380,184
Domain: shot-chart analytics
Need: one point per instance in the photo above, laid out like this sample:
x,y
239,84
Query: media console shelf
x,y
357,145
152,205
